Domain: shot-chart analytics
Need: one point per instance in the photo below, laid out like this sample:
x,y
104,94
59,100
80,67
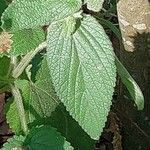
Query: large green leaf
x,y
46,138
94,5
59,118
26,40
31,13
83,71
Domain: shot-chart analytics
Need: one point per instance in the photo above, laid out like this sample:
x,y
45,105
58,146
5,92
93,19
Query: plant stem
x,y
19,102
26,60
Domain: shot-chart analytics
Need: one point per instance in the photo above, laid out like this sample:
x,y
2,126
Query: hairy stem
x,y
19,102
26,60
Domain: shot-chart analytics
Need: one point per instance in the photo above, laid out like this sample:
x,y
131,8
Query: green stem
x,y
26,60
19,102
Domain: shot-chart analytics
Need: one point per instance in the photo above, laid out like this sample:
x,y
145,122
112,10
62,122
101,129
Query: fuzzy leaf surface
x,y
26,40
25,14
82,67
39,99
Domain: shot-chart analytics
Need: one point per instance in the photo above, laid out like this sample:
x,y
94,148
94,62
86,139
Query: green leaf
x,y
27,14
14,143
39,138
59,118
46,138
70,129
12,117
26,40
94,5
131,85
126,78
82,67
39,97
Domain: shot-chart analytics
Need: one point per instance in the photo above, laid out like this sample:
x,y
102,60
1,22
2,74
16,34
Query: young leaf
x,y
26,14
13,117
94,5
15,143
131,85
82,67
26,40
39,97
46,138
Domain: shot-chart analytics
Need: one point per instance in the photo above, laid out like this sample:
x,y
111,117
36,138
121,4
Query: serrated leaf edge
x,y
33,129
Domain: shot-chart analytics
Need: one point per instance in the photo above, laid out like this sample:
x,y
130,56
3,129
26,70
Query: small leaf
x,y
94,5
46,138
14,143
131,85
39,97
13,117
82,67
26,14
